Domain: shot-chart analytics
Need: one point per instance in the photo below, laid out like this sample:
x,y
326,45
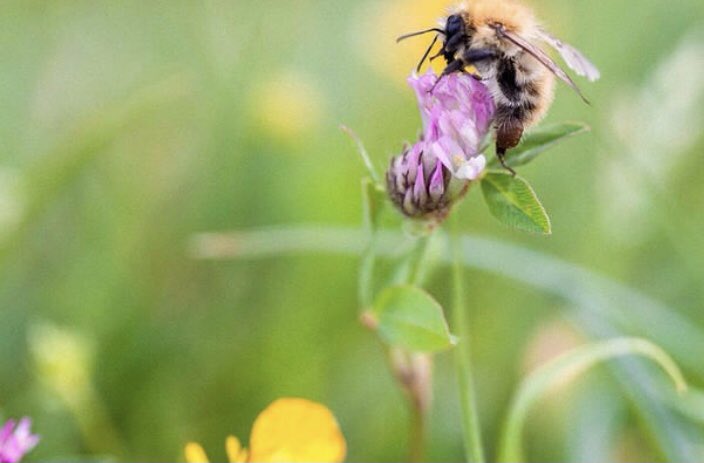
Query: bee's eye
x,y
454,25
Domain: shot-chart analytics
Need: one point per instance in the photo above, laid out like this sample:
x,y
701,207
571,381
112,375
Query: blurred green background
x,y
127,127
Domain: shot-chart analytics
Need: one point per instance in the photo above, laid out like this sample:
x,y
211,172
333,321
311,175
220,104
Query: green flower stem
x,y
411,270
419,390
416,271
411,371
417,433
366,276
366,273
414,373
474,450
368,262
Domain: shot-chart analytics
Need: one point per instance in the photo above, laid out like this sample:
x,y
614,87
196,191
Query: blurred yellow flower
x,y
391,19
288,430
63,359
235,452
287,106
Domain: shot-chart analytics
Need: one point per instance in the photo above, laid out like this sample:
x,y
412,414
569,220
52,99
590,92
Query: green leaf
x,y
408,317
540,140
373,201
513,201
366,159
566,367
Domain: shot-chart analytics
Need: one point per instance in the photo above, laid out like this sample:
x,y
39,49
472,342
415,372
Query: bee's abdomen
x,y
506,78
522,113
524,92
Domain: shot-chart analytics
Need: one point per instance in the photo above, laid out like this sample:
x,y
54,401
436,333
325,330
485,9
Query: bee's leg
x,y
438,55
508,135
425,56
473,75
472,55
454,66
501,155
453,43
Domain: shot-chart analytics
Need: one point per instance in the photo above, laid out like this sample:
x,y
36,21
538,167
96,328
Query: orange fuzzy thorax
x,y
514,16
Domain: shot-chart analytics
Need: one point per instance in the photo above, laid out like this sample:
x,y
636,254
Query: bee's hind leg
x,y
508,135
501,155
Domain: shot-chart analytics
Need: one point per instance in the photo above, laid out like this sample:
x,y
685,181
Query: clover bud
x,y
429,176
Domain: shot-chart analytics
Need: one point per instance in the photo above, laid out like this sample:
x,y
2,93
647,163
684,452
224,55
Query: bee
x,y
502,40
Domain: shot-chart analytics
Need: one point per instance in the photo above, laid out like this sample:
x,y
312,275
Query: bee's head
x,y
453,25
455,36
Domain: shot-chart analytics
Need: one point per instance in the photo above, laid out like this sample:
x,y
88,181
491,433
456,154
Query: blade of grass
x,y
621,305
668,433
569,365
618,302
598,419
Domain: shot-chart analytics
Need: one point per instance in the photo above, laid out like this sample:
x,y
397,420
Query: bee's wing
x,y
538,54
573,57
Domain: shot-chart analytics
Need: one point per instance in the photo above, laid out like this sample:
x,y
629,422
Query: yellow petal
x,y
195,453
235,452
296,430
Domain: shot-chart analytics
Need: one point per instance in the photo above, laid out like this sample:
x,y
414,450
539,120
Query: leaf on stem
x,y
408,317
366,159
513,201
373,200
540,140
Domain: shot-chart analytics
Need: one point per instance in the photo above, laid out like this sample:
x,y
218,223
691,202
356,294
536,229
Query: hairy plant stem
x,y
413,371
416,445
474,450
368,262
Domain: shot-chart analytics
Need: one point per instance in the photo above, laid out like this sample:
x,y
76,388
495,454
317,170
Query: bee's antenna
x,y
414,34
427,52
437,55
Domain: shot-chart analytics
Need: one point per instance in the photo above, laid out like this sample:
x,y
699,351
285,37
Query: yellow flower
x,y
288,430
63,359
391,19
235,453
288,105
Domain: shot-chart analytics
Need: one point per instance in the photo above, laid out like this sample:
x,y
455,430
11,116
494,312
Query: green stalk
x,y
412,272
417,433
414,268
403,365
368,261
474,451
